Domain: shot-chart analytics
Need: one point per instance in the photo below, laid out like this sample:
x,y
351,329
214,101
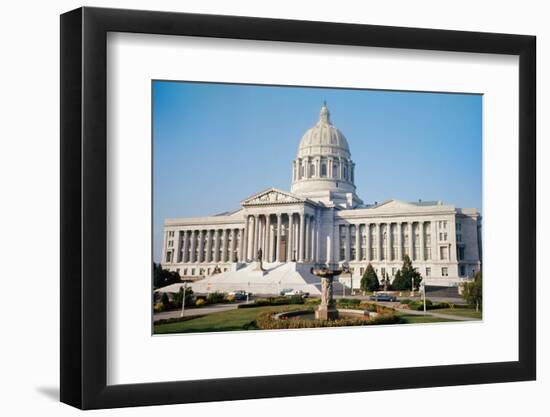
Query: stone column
x,y
268,238
367,242
277,236
216,246
389,242
255,236
208,257
435,237
307,226
245,239
336,243
301,238
317,239
411,240
347,252
233,245
399,242
201,246
379,241
185,247
289,238
312,256
358,242
421,233
192,252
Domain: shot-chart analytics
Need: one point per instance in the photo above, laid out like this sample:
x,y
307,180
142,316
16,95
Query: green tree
x,y
189,298
406,276
369,281
163,277
473,292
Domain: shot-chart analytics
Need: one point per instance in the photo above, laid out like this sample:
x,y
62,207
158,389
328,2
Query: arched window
x,y
335,171
312,170
323,170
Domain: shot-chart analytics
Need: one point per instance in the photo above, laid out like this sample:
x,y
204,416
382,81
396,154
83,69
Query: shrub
x,y
312,301
405,301
348,302
215,298
165,300
176,319
200,302
369,281
385,319
230,298
296,299
189,297
159,307
419,305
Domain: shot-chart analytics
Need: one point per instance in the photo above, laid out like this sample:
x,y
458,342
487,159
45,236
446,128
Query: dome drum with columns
x,y
321,221
323,169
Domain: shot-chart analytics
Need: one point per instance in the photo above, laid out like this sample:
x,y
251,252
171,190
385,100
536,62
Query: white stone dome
x,y
323,170
323,139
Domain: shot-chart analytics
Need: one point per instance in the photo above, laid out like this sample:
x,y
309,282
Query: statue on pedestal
x,y
259,265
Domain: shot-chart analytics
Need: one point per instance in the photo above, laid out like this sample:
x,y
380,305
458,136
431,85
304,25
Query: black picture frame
x,y
84,207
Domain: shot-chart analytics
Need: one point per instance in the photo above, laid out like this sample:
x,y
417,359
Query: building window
x,y
382,273
168,257
323,170
459,226
170,243
460,253
361,271
393,271
192,271
444,272
462,270
428,271
459,238
443,253
428,252
312,170
185,272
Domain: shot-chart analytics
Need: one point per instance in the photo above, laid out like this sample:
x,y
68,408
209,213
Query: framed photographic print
x,y
258,207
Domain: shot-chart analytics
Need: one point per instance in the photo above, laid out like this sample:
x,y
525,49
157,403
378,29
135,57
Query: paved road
x,y
217,308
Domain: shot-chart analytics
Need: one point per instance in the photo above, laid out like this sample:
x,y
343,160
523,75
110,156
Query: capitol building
x,y
321,220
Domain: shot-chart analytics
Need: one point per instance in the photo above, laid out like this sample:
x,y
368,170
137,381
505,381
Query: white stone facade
x,y
323,221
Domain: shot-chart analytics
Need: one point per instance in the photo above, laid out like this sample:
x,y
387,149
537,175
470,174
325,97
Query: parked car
x,y
239,294
382,297
291,293
285,290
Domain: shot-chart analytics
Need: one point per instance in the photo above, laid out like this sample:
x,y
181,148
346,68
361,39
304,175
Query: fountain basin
x,y
343,313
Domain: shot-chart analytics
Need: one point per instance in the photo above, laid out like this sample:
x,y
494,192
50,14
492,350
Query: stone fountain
x,y
327,309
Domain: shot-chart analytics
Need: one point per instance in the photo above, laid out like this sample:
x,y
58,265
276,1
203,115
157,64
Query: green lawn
x,y
239,319
462,312
242,319
412,319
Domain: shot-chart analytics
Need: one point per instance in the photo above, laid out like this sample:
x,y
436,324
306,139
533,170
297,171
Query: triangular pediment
x,y
395,205
272,196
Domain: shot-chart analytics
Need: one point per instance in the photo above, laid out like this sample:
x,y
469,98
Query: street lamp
x,y
183,300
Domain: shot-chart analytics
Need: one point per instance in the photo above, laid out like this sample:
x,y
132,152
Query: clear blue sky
x,y
216,144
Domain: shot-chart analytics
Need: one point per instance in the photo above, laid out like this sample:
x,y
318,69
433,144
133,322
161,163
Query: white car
x,y
291,293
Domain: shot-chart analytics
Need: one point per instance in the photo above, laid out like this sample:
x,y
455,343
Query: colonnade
x,y
387,241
